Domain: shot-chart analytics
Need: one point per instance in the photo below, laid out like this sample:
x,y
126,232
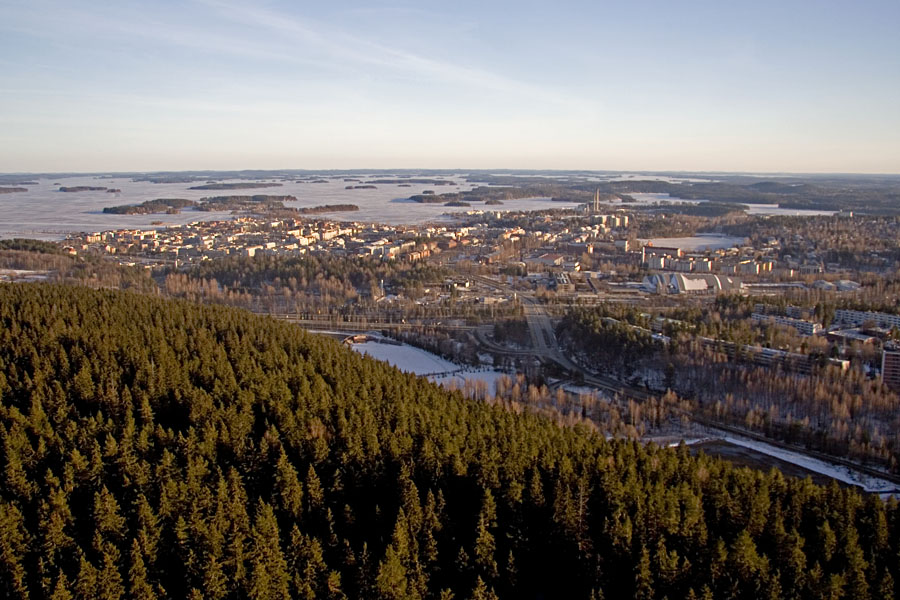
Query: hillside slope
x,y
159,449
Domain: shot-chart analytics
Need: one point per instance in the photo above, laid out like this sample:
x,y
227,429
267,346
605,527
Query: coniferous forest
x,y
161,449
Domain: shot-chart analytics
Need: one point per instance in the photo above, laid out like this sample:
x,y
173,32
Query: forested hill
x,y
154,449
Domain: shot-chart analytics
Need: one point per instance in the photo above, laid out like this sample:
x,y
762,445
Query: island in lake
x,y
82,188
244,185
428,197
258,203
169,178
493,195
360,187
12,190
327,208
150,207
406,182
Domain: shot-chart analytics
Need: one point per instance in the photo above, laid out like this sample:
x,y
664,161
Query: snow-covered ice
x,y
488,376
421,362
407,358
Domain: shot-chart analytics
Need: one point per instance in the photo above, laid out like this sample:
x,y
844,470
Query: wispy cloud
x,y
224,28
352,48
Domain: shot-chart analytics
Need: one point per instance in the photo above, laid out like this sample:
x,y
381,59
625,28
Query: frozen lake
x,y
774,209
421,362
753,209
43,212
648,199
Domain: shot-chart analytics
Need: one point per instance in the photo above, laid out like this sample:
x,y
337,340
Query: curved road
x,y
546,346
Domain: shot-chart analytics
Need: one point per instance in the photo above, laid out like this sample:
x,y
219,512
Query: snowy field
x,y
489,376
421,362
407,358
583,390
22,275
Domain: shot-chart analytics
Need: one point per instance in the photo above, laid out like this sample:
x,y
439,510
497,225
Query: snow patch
x,y
421,362
844,474
407,358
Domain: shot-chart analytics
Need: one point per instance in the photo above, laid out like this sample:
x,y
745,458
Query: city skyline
x,y
773,87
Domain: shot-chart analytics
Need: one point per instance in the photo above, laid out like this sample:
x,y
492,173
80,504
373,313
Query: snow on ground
x,y
844,474
407,358
23,275
582,389
485,358
421,362
488,376
688,442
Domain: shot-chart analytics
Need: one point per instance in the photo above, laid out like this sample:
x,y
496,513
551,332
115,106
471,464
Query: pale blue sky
x,y
225,84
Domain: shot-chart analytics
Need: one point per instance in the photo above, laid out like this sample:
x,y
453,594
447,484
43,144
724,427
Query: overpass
x,y
357,324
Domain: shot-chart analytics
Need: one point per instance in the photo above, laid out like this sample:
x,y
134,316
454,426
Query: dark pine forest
x,y
161,449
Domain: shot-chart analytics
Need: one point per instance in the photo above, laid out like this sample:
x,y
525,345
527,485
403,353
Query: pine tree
x,y
268,578
315,496
643,578
886,586
482,591
392,579
138,586
86,584
108,521
855,571
109,579
484,550
215,584
431,526
13,545
334,590
288,488
62,589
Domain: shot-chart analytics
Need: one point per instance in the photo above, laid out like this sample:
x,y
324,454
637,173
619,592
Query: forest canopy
x,y
161,449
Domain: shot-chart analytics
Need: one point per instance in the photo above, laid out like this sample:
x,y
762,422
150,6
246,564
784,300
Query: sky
x,y
782,86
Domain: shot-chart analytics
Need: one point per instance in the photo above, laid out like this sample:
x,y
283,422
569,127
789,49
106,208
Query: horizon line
x,y
456,169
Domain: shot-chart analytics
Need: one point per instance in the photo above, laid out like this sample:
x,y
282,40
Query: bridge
x,y
362,324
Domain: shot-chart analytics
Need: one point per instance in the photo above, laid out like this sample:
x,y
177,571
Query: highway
x,y
546,346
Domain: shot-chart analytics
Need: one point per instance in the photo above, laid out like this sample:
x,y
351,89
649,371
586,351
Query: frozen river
x,y
43,212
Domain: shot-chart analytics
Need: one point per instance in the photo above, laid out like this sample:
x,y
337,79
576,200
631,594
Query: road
x,y
546,346
362,325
